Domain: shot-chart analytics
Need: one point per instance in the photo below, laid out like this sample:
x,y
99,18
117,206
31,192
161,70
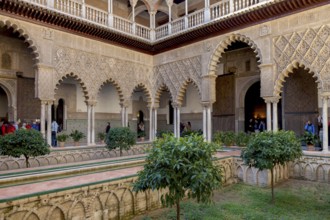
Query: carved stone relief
x,y
176,75
94,70
309,48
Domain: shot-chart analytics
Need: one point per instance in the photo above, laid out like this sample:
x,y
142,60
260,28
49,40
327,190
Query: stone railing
x,y
68,155
97,16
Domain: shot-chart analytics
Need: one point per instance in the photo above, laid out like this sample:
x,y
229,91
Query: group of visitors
x,y
185,127
256,125
8,127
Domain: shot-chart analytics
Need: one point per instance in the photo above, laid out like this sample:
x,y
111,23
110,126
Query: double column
x,y
176,107
272,102
207,121
153,121
91,122
46,115
124,115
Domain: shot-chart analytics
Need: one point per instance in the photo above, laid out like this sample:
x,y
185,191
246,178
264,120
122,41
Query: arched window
x,y
6,61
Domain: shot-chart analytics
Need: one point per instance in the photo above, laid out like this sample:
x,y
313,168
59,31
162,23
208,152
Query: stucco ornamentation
x,y
308,49
177,75
95,70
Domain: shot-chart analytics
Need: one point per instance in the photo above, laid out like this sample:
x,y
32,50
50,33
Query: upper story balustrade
x,y
218,11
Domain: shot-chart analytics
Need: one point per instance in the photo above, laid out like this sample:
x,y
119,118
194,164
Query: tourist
x,y
262,126
54,131
309,127
107,129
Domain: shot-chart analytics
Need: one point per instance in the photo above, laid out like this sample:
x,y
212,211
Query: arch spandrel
x,y
279,82
28,38
224,44
308,49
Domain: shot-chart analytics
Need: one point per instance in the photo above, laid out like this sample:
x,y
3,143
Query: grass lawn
x,y
294,199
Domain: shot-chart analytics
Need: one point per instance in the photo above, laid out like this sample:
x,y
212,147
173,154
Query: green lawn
x,y
294,199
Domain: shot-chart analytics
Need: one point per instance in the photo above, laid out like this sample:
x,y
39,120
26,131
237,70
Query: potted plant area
x,y
141,135
310,140
101,136
62,138
76,136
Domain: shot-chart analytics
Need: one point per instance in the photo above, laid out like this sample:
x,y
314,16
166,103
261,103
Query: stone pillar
x,y
178,121
275,114
133,4
269,113
155,123
207,121
174,121
169,4
325,98
110,13
207,14
49,122
152,24
42,118
50,4
204,123
83,9
186,15
93,124
88,123
151,129
65,116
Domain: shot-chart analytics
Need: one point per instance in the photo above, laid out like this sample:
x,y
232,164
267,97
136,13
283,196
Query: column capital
x,y
206,104
169,3
133,3
91,102
272,99
325,95
176,105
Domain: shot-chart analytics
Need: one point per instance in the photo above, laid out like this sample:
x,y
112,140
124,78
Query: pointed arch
x,y
183,89
159,90
293,65
145,91
142,8
25,34
10,92
224,44
116,85
56,210
78,79
80,207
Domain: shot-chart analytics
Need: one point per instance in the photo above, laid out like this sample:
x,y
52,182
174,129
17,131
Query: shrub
x,y
28,143
101,136
77,135
122,138
226,138
183,166
265,150
62,137
242,139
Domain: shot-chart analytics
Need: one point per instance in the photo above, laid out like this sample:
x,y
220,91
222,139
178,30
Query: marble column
x,y
133,4
204,123
186,15
169,4
151,129
42,118
155,123
174,121
49,122
93,124
325,98
268,113
209,123
88,123
207,14
275,100
110,13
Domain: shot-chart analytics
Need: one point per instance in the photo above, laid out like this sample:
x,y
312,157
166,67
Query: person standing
x,y
54,127
309,127
107,129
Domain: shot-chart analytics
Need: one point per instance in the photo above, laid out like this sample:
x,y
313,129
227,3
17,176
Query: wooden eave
x,y
39,15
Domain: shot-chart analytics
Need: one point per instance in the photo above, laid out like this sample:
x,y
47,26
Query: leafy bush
x,y
191,132
160,134
184,166
101,136
310,139
265,150
242,139
62,137
28,143
77,135
122,138
226,138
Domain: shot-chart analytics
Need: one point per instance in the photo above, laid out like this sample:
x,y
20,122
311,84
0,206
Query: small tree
x,y
265,150
122,138
28,143
183,166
